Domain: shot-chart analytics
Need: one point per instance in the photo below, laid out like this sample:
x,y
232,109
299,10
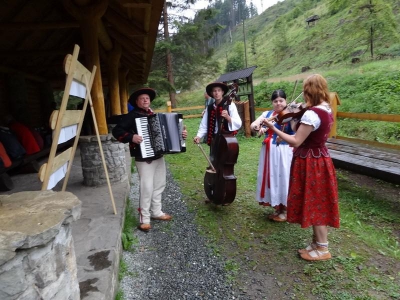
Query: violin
x,y
291,111
219,180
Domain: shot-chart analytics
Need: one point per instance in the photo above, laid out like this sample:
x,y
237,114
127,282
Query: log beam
x,y
88,16
104,38
123,90
113,59
130,45
35,26
35,53
135,3
127,27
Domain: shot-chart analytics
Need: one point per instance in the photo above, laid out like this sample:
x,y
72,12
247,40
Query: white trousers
x,y
152,179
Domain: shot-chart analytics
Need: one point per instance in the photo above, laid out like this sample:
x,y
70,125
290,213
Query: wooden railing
x,y
371,117
335,101
178,109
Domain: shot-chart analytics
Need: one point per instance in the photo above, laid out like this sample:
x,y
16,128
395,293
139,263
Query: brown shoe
x,y
144,227
280,218
273,215
319,256
164,217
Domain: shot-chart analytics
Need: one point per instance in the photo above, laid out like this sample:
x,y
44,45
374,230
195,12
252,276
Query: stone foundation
x,y
92,164
37,257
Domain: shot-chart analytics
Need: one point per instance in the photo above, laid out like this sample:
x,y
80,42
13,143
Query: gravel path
x,y
172,261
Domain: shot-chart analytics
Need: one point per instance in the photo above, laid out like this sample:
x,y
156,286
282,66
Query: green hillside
x,y
280,43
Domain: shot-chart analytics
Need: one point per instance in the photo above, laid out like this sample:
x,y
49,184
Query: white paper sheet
x,y
67,133
57,176
78,89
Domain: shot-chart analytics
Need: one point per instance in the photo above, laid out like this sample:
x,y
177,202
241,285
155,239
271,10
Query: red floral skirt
x,y
313,194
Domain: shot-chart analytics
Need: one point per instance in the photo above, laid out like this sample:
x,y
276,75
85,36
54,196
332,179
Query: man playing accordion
x,y
151,170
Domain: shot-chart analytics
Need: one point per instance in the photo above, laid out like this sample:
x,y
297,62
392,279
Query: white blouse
x,y
311,118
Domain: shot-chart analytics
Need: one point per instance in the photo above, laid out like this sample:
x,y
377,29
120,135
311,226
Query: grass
x,y
366,260
128,240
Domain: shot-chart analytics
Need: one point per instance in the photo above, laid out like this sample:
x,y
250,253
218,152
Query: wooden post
x,y
92,58
113,82
169,106
251,98
88,17
335,101
247,121
123,91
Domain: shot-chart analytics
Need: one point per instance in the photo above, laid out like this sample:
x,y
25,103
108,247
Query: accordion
x,y
162,134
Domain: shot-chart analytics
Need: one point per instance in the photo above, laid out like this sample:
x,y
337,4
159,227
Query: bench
x,y
28,164
373,161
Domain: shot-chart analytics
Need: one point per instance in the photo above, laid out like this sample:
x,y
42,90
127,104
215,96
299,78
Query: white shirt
x,y
235,125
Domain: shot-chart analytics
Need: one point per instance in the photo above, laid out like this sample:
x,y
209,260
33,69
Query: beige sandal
x,y
319,255
309,248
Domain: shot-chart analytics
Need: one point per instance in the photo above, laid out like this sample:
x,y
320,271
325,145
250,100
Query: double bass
x,y
219,180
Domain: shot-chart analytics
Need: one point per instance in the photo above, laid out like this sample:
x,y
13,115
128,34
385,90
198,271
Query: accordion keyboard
x,y
143,130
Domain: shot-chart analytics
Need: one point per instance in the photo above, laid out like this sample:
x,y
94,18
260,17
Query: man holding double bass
x,y
219,125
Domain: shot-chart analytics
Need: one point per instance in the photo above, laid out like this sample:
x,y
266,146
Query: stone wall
x,y
37,257
92,164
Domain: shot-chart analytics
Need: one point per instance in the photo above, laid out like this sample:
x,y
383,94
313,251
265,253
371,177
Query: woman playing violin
x,y
274,162
313,195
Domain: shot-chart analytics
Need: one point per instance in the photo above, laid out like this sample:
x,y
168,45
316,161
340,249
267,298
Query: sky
x,y
260,4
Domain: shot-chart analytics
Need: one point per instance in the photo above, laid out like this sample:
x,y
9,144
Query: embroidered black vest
x,y
214,113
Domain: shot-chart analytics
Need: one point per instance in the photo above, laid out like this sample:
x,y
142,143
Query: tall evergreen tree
x,y
186,52
371,21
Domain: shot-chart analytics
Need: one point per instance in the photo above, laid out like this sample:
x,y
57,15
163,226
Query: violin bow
x,y
294,90
291,103
206,156
294,101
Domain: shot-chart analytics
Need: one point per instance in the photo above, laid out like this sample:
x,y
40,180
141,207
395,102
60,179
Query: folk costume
x,y
313,194
209,123
152,171
274,167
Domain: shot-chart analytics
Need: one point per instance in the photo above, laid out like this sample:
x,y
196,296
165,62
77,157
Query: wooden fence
x,y
335,102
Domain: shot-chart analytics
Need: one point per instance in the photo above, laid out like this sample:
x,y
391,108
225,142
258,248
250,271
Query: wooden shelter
x,y
313,20
244,79
117,36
